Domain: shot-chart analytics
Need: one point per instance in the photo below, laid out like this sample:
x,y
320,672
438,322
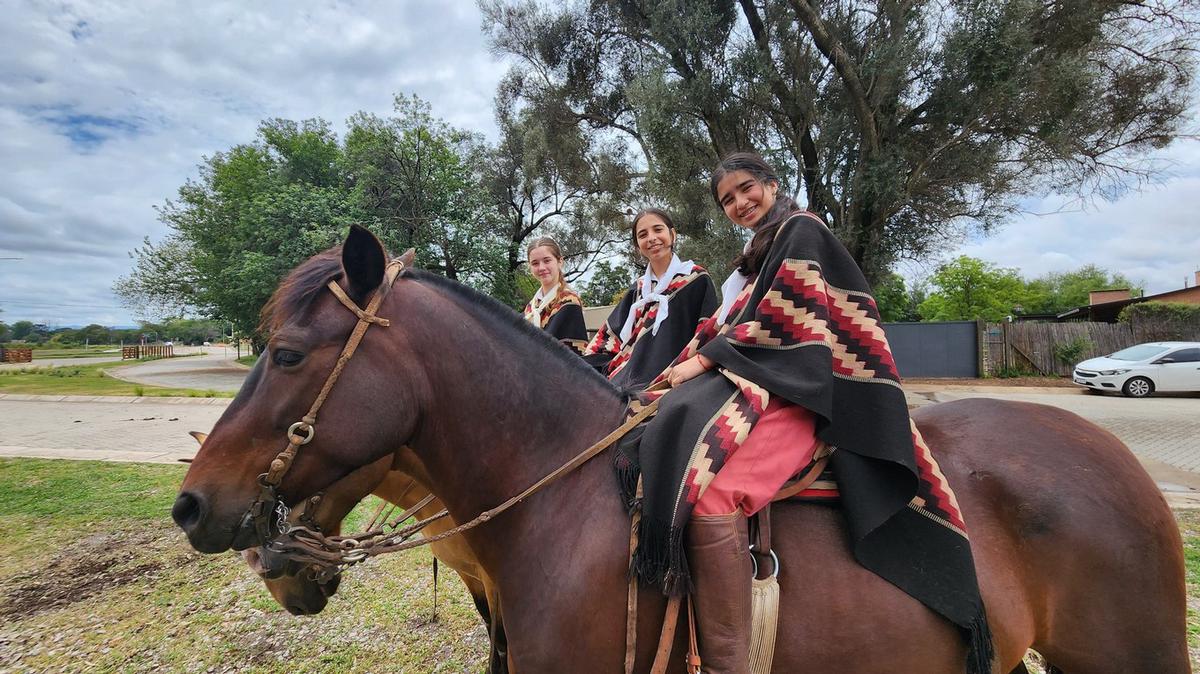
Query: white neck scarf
x,y
730,289
540,302
650,289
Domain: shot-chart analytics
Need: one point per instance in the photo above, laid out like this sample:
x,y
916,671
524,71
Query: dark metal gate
x,y
949,349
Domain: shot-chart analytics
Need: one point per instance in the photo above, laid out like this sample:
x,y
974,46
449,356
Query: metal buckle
x,y
294,428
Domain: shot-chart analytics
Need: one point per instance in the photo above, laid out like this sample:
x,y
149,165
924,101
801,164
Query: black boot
x,y
718,549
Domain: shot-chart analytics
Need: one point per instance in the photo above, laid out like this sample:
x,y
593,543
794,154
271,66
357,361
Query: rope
x,y
305,545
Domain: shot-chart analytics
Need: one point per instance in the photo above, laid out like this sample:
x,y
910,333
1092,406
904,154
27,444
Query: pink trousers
x,y
780,445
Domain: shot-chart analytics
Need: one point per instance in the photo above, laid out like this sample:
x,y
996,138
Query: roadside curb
x,y
925,389
124,400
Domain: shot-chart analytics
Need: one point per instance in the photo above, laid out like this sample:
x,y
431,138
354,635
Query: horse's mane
x,y
302,285
504,318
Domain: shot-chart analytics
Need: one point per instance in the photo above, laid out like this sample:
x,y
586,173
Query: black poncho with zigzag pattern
x,y
807,329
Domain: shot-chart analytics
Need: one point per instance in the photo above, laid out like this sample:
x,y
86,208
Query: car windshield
x,y
1139,352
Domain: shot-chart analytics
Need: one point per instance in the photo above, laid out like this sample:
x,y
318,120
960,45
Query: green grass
x,y
248,361
95,577
86,380
1189,527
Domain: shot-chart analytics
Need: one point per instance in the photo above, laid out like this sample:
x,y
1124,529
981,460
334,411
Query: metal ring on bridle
x,y
294,428
774,559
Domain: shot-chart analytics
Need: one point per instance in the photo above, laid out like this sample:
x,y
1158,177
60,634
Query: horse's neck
x,y
501,413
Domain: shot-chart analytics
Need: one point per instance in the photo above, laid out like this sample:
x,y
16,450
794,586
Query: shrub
x,y
1175,311
1068,353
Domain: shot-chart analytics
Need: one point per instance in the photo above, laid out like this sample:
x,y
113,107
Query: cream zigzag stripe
x,y
919,442
697,451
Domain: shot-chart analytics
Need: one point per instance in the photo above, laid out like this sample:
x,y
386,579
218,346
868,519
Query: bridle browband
x,y
330,554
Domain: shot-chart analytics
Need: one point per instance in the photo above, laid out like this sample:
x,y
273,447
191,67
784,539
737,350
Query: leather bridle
x,y
330,554
268,502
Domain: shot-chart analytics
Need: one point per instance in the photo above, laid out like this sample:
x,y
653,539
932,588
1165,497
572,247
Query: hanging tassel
x,y
764,619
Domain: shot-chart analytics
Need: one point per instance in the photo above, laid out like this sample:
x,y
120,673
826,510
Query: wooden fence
x,y
1035,347
16,355
147,351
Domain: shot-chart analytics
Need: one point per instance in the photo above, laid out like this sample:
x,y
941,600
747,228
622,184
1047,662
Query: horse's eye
x,y
285,358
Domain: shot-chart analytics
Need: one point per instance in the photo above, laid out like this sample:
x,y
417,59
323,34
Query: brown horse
x,y
302,594
1078,555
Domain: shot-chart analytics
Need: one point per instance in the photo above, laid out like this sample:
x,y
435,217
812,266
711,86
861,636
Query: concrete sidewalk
x,y
1164,433
105,428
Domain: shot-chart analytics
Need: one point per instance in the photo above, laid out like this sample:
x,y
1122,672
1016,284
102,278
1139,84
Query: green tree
x,y
5,332
255,212
609,281
22,329
1058,292
896,302
968,288
900,123
421,183
547,176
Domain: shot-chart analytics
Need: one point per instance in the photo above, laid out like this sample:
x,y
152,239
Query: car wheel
x,y
1138,387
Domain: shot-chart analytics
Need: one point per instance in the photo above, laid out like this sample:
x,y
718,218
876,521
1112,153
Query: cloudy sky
x,y
107,108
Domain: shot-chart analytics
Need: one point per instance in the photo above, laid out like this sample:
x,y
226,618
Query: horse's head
x,y
366,416
297,588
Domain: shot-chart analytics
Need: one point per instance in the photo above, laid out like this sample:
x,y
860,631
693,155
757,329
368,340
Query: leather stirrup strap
x,y
761,536
804,482
662,655
632,596
693,656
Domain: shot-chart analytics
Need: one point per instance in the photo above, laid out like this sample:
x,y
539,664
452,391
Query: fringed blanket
x,y
633,362
562,318
807,329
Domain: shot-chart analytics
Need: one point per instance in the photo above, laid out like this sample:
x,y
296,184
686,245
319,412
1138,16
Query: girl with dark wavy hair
x,y
794,367
658,314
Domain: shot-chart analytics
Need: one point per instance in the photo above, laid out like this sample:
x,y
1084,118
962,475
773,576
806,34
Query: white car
x,y
1143,369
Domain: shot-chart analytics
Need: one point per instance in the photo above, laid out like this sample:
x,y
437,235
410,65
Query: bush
x,y
1068,353
1173,311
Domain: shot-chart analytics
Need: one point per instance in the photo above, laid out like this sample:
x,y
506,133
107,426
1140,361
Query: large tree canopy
x,y
259,209
900,122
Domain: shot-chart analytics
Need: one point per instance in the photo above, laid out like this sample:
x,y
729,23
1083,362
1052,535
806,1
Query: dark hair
x,y
751,261
666,218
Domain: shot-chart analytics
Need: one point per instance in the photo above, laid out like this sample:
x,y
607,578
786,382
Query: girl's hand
x,y
688,369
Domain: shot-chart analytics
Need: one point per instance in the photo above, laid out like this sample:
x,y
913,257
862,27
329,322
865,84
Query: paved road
x,y
1164,429
217,369
104,428
1164,432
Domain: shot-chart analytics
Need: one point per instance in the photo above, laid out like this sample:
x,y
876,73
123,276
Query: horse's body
x,y
1077,553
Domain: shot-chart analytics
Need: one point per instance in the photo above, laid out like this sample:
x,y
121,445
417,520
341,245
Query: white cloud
x,y
107,108
1151,235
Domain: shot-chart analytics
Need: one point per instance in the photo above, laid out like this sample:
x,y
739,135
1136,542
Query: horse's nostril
x,y
186,511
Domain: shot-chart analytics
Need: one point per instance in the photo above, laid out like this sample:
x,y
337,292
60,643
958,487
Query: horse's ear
x,y
408,258
363,260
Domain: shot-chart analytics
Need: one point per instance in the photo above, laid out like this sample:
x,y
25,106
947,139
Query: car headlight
x,y
1110,372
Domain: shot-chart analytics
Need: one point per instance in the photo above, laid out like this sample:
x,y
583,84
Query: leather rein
x,y
331,554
